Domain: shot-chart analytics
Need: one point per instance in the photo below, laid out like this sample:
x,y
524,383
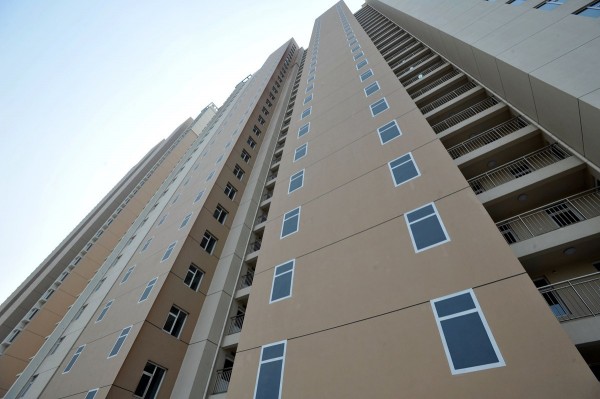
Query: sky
x,y
88,87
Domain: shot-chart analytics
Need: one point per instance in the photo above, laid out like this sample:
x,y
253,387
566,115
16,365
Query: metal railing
x,y
254,246
575,298
260,219
222,380
518,168
393,45
405,58
465,114
423,73
267,195
435,83
487,137
420,61
550,217
235,324
447,97
275,160
272,176
246,280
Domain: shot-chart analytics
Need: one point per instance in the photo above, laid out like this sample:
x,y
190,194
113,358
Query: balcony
x,y
518,168
222,380
435,83
425,73
246,280
548,218
419,67
465,114
487,137
446,98
235,324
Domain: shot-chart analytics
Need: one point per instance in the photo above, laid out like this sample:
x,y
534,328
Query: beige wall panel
x,y
589,107
73,284
488,70
312,364
25,346
467,59
100,251
43,322
558,112
10,368
192,253
331,269
517,88
59,302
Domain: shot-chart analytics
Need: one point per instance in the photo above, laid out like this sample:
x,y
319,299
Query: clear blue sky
x,y
88,87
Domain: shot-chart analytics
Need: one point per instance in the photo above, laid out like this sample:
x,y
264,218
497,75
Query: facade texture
x,y
409,207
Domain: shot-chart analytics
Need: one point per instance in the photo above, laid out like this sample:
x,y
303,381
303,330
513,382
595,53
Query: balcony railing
x,y
275,160
575,298
465,114
550,217
246,280
254,246
414,66
261,219
235,324
222,381
405,58
518,168
487,137
272,176
423,73
267,195
447,97
435,83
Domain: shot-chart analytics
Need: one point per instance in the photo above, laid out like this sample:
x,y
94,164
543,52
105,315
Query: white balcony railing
x,y
575,298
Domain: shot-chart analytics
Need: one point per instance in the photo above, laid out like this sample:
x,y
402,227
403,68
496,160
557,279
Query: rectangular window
x,y
261,120
308,98
549,5
209,242
283,277
210,175
270,371
300,152
256,130
352,43
104,310
361,64
146,244
199,196
296,181
91,393
220,214
372,88
466,335
230,191
175,199
119,342
32,313
251,142
309,88
175,321
306,113
15,333
97,287
378,107
245,156
168,252
291,222
366,75
148,289
238,172
193,278
310,79
303,129
358,55
56,345
388,132
73,359
355,49
591,10
185,221
219,159
265,111
150,382
425,227
27,386
403,169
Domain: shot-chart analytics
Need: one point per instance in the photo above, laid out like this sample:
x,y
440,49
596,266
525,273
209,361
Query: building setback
x,y
409,207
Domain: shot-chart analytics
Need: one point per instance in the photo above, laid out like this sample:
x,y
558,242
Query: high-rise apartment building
x,y
409,207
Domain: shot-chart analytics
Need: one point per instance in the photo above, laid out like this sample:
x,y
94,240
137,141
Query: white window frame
x,y
74,358
210,175
308,99
149,287
168,251
302,115
91,391
305,145
275,275
127,275
383,128
437,215
286,218
295,176
410,159
146,244
261,362
199,196
307,126
104,311
186,220
195,272
476,309
362,75
212,250
362,64
162,219
357,56
309,88
376,83
185,316
382,100
118,345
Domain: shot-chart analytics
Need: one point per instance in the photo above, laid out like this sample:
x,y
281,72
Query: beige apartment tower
x,y
410,207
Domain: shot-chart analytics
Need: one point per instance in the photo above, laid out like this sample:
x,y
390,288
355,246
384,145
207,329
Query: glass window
x,y
270,371
309,88
148,289
27,386
303,129
379,106
290,224
150,382
516,2
355,49
91,394
366,75
403,169
256,130
185,221
199,196
283,277
389,131
251,142
209,242
296,181
372,88
300,152
175,321
591,10
193,278
168,252
425,227
210,175
362,64
220,214
310,79
245,156
74,359
308,98
146,244
550,4
219,159
306,113
238,172
358,55
466,335
119,343
230,191
352,43
104,310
